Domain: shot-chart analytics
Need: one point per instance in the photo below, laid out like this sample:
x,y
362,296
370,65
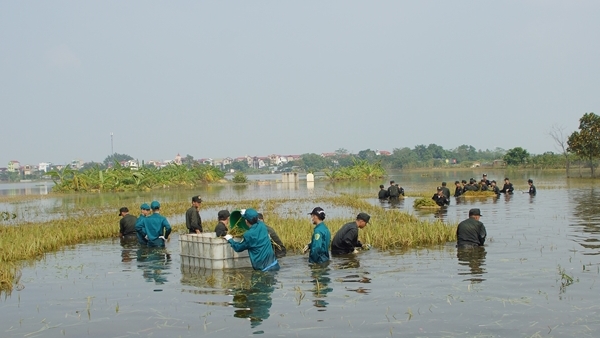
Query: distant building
x,y
27,169
44,166
13,166
177,159
76,164
131,164
499,163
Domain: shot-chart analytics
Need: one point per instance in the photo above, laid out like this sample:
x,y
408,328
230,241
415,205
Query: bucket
x,y
236,220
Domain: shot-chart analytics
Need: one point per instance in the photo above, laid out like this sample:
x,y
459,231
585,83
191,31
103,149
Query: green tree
x,y
315,162
367,154
240,166
110,159
586,142
516,156
188,160
465,153
341,151
437,151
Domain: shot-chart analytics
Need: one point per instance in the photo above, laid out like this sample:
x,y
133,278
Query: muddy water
x,y
537,276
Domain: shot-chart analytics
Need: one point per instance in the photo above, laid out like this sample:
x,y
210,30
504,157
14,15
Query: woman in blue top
x,y
319,244
256,240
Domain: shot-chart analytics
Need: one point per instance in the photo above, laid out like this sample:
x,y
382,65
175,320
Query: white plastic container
x,y
207,251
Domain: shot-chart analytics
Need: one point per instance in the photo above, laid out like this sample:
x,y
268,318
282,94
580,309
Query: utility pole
x,y
112,153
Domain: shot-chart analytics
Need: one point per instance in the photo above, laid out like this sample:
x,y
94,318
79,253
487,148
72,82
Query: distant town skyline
x,y
183,155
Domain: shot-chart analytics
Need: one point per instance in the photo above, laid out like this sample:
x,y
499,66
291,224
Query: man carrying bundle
x,y
256,240
439,197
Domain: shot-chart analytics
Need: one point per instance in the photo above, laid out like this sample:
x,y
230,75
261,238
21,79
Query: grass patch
x,y
479,194
425,203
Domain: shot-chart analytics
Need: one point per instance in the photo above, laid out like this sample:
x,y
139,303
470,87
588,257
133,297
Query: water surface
x,y
517,286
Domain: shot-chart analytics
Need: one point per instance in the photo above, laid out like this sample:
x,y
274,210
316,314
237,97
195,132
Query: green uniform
x,y
319,244
256,240
152,227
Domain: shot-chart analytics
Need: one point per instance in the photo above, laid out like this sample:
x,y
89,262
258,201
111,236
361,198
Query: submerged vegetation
x,y
388,229
120,178
422,203
488,193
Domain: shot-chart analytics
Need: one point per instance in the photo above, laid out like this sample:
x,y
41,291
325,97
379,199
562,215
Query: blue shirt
x,y
154,226
256,240
319,244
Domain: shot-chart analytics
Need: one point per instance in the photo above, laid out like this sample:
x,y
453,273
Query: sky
x,y
233,78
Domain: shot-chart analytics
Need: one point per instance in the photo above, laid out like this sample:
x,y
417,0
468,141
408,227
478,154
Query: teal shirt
x,y
154,226
140,223
256,240
319,244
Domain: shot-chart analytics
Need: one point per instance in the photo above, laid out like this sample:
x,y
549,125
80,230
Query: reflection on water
x,y
321,281
154,263
471,261
441,213
254,302
586,213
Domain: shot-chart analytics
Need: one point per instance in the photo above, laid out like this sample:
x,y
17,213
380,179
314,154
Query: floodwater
x,y
536,277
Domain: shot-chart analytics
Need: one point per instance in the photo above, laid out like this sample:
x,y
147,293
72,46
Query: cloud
x,y
62,57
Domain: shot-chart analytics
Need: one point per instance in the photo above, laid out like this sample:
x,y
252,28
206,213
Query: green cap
x,y
155,205
145,206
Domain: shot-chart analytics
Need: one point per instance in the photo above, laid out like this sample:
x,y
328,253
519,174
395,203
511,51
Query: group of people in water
x,y
261,241
150,229
443,194
262,244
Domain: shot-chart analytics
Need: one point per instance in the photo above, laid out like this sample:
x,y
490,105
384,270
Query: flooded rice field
x,y
536,277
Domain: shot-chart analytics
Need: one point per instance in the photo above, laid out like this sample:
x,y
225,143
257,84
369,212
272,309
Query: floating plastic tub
x,y
207,251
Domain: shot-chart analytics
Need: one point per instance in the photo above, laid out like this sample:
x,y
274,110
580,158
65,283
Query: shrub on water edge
x,y
239,177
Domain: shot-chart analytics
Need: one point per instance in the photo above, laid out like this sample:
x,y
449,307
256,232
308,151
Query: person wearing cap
x,y
483,186
318,247
278,247
127,224
256,240
458,191
531,190
221,228
439,197
493,187
346,240
144,212
485,179
446,191
193,221
472,186
154,228
508,187
383,193
464,186
471,232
